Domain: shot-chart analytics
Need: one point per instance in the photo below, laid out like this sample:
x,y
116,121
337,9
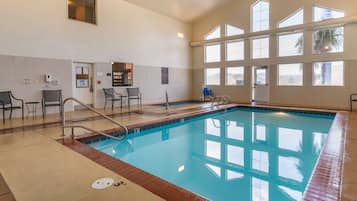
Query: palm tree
x,y
324,41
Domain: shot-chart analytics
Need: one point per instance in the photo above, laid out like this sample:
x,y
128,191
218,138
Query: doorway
x,y
83,86
260,84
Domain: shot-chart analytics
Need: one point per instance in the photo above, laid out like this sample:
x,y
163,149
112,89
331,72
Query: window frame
x,y
289,16
343,73
251,16
211,31
78,20
205,76
252,47
289,33
278,75
226,75
226,49
205,52
326,53
226,30
325,7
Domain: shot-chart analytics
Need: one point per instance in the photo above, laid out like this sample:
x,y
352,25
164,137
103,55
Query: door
x,y
260,88
83,83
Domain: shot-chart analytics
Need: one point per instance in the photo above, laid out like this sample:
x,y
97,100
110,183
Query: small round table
x,y
31,108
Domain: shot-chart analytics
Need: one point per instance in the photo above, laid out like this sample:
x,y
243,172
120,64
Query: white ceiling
x,y
184,10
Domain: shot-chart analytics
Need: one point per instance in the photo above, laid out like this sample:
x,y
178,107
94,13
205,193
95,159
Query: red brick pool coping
x,y
325,183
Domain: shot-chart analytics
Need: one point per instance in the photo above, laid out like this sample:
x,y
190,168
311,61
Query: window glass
x,y
326,13
260,16
295,19
81,10
291,44
261,76
235,50
235,76
290,74
328,40
233,31
260,48
215,33
328,74
212,53
213,76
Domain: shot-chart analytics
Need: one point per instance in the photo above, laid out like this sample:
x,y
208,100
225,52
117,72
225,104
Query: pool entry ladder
x,y
64,126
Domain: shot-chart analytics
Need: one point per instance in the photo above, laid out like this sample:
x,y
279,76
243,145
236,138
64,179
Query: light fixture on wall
x,y
180,35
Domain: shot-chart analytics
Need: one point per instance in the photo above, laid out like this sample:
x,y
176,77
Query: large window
x,y
321,13
235,50
328,74
213,76
235,76
260,48
82,10
295,19
291,44
212,53
329,40
260,16
290,74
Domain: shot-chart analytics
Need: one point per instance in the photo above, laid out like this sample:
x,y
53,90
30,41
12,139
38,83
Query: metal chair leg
x,y
10,113
3,116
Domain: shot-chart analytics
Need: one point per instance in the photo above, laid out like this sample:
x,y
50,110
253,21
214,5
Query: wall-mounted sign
x,y
82,77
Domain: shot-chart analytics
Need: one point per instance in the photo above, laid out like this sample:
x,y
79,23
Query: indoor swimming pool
x,y
241,154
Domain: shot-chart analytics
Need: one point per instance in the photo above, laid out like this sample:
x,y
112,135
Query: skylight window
x,y
233,31
321,13
214,34
295,19
260,16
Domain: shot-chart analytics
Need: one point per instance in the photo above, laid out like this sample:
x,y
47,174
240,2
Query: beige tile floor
x,y
37,168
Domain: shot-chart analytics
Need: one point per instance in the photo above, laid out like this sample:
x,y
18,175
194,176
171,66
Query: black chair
x,y
51,98
353,98
134,94
111,95
6,103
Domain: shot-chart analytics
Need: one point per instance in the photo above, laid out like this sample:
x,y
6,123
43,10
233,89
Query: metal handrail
x,y
220,100
64,126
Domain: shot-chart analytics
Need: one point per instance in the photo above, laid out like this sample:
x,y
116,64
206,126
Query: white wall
x,y
14,70
238,13
41,33
124,32
148,79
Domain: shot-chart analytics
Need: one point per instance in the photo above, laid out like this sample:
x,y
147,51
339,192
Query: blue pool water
x,y
238,155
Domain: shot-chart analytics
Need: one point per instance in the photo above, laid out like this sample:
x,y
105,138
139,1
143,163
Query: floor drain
x,y
102,183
